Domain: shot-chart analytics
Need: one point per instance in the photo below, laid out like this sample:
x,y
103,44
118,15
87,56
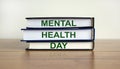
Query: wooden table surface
x,y
13,55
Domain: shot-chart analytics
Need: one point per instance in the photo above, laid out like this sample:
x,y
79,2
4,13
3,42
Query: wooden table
x,y
106,55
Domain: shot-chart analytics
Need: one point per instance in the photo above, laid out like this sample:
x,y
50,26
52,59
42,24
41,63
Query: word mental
x,y
57,23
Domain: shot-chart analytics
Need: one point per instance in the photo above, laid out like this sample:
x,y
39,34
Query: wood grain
x,y
106,55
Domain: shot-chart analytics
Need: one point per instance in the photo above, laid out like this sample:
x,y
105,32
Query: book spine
x,y
61,45
79,34
59,23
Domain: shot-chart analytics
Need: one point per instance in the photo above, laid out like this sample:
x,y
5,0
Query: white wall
x,y
106,13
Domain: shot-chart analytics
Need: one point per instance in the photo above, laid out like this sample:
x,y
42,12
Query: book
x,y
61,45
58,34
59,22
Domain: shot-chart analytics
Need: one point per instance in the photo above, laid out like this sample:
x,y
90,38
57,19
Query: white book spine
x,y
62,45
58,34
58,23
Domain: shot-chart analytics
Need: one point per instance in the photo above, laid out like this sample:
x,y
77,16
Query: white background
x,y
106,13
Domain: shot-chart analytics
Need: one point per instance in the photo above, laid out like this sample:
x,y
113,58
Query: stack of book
x,y
59,33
